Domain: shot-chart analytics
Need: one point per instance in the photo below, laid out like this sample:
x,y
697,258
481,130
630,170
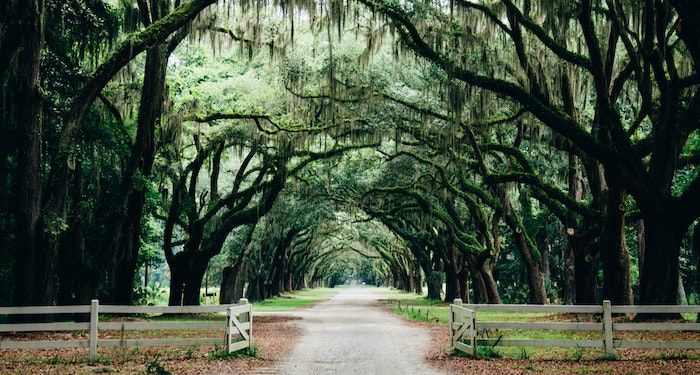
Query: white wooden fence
x,y
237,330
466,328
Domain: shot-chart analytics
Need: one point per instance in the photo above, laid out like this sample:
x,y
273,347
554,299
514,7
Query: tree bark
x,y
585,271
489,285
21,108
537,293
233,280
614,253
659,275
434,281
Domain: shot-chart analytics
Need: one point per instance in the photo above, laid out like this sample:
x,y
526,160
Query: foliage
x,y
488,145
222,354
156,368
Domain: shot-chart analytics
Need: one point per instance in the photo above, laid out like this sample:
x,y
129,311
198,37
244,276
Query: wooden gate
x,y
463,328
239,326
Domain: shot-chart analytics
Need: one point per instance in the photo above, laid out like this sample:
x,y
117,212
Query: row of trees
x,y
304,144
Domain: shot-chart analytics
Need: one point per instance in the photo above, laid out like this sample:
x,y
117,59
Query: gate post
x,y
229,329
94,316
249,319
607,328
456,302
473,333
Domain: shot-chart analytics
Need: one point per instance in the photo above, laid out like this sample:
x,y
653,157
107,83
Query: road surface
x,y
351,334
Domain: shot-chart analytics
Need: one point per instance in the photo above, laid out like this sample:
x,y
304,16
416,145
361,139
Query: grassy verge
x,y
294,300
416,307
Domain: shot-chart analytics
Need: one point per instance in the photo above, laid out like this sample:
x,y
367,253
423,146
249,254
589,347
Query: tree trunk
x,y
529,253
682,298
233,281
569,277
479,287
193,281
22,111
614,253
576,193
463,277
434,281
177,283
141,165
659,277
585,270
417,280
451,285
489,285
641,246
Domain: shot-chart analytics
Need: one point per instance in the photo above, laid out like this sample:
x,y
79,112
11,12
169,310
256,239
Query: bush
x,y
221,353
155,368
487,352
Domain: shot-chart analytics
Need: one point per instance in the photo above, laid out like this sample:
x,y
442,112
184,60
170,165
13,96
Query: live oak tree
x,y
515,150
644,52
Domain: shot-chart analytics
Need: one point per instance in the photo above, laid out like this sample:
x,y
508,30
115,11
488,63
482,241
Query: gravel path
x,y
350,334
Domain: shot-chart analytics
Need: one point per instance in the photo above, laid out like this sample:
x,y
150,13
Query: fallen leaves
x,y
274,336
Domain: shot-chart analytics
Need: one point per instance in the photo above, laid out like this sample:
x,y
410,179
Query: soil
x,y
352,334
634,361
273,336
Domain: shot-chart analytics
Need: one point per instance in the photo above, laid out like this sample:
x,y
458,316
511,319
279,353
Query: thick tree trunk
x,y
233,281
479,287
659,275
614,253
537,293
434,281
150,112
576,193
417,280
585,271
186,277
451,285
489,285
177,282
463,277
288,282
532,258
256,288
21,107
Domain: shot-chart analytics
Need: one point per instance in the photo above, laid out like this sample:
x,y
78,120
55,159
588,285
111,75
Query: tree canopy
x,y
515,151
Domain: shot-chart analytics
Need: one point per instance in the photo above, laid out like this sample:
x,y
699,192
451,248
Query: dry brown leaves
x,y
274,336
634,361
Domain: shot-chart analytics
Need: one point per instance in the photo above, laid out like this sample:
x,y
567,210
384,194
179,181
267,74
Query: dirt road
x,y
351,334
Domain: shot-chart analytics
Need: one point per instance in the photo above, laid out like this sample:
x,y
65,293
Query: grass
x,y
220,353
416,307
294,300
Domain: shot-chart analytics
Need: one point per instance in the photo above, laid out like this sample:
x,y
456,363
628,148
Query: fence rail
x,y
467,340
236,330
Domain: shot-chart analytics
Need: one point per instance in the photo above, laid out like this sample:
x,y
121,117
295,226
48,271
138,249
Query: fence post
x,y
94,316
473,333
457,302
229,329
607,328
249,319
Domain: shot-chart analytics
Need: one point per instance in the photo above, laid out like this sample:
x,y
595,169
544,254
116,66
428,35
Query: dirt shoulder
x,y
639,362
274,337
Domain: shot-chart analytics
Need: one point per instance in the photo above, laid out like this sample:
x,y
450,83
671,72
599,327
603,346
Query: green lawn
x,y
417,307
294,300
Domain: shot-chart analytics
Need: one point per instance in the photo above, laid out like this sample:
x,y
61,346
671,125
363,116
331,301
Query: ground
x,y
433,316
351,334
354,330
